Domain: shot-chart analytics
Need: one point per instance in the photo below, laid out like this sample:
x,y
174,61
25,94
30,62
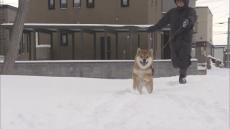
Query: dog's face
x,y
144,58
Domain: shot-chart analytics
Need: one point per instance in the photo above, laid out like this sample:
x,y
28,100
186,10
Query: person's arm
x,y
190,21
161,23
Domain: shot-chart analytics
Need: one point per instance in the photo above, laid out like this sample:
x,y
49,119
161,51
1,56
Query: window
x,y
64,39
51,4
90,4
63,3
43,38
124,3
76,3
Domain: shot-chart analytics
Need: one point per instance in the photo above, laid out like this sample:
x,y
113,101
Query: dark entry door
x,y
105,48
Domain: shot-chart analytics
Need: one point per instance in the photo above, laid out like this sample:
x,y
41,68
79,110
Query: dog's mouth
x,y
144,62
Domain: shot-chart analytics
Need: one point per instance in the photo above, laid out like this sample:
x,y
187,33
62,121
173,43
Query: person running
x,y
181,20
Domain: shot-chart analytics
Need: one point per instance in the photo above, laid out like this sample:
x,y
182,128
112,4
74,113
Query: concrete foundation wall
x,y
95,69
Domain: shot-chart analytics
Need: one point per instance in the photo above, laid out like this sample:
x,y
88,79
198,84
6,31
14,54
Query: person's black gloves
x,y
185,23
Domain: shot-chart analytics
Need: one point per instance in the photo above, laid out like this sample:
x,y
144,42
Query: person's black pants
x,y
181,57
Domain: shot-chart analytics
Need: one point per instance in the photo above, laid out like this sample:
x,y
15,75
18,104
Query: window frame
x,y
90,5
49,5
65,6
123,5
61,38
79,5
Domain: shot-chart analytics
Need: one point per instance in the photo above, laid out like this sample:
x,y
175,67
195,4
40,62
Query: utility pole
x,y
1,29
1,40
228,44
228,54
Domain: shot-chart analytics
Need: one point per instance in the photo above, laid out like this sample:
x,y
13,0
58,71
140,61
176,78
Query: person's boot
x,y
182,79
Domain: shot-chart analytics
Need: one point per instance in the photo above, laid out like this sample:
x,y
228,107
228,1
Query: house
x,y
7,15
227,54
219,52
203,38
67,44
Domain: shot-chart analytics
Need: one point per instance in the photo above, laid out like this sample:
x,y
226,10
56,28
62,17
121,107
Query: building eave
x,y
83,27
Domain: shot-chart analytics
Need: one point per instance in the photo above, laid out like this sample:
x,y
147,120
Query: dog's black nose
x,y
144,60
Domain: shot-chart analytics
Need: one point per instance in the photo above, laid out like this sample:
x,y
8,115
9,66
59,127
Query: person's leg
x,y
184,56
174,55
179,62
182,76
183,72
184,63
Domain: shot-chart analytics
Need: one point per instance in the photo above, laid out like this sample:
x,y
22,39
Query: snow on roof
x,y
80,27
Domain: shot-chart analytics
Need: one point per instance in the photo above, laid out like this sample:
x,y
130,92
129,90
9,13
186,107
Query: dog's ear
x,y
138,50
151,52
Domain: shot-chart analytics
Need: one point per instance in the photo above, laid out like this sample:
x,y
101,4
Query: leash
x,y
178,31
172,37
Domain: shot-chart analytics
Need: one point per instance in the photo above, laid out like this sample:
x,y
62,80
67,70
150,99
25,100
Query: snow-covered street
x,y
81,103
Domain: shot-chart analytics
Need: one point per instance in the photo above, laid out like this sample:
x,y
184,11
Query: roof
x,y
47,27
204,7
8,6
220,46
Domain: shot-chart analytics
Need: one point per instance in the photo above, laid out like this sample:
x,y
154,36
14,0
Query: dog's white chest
x,y
140,73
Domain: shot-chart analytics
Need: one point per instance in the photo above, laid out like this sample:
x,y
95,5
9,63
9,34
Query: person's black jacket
x,y
180,46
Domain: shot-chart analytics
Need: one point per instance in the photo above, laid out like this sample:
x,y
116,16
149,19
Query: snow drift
x,y
84,103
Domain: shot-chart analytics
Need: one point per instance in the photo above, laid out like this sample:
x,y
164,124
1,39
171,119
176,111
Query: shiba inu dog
x,y
143,70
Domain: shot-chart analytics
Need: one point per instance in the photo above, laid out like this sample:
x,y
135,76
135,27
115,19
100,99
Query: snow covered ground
x,y
80,103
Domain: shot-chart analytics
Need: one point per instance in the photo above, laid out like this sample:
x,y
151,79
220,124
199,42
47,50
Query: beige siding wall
x,y
104,12
84,49
204,25
61,51
210,27
11,14
154,11
7,14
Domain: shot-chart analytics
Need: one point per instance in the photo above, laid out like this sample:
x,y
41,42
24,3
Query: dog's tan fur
x,y
143,70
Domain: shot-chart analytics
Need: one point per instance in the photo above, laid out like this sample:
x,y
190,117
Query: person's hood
x,y
186,2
